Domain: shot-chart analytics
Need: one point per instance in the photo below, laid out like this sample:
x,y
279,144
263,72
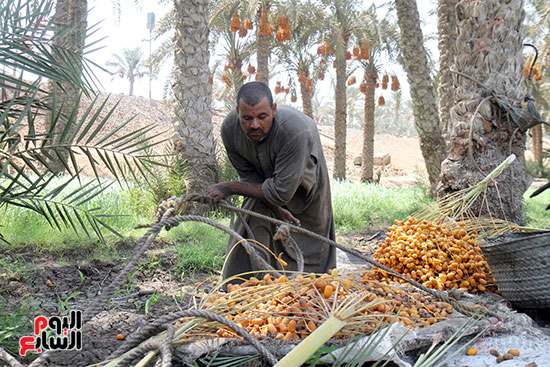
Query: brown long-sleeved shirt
x,y
291,167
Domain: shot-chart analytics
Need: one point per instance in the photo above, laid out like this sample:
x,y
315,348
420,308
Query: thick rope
x,y
151,328
283,234
5,356
162,345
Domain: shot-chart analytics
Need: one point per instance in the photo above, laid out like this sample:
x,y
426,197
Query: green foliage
x,y
226,170
199,247
535,211
122,209
537,170
358,206
14,322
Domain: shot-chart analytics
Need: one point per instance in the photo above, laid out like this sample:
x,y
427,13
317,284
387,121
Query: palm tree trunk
x,y
425,112
367,156
489,50
446,27
131,91
397,107
262,51
192,90
305,91
70,35
536,133
340,117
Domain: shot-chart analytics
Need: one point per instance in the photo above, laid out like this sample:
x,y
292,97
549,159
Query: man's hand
x,y
219,192
285,215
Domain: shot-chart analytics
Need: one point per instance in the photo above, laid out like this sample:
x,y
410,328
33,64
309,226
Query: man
x,y
278,155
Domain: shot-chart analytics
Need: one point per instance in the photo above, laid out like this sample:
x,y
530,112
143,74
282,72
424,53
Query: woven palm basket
x,y
521,267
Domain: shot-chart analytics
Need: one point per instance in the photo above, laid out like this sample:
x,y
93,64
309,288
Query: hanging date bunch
x,y
283,31
325,49
385,80
293,98
304,79
351,80
235,22
251,69
394,83
363,87
348,55
362,52
281,89
264,28
381,101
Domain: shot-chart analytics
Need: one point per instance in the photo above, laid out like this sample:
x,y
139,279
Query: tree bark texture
x,y
367,155
70,35
340,116
489,50
425,111
262,49
192,90
262,55
305,91
446,27
536,136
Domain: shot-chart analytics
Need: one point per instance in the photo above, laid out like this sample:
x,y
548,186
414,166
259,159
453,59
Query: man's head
x,y
256,110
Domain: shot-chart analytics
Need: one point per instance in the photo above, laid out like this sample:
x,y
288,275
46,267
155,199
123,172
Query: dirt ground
x,y
50,286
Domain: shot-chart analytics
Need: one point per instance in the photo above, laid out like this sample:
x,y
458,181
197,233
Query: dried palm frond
x,y
456,207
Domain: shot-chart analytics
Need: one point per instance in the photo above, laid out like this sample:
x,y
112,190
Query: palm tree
x,y
343,19
488,64
237,48
422,91
446,28
192,93
27,44
130,65
296,53
376,40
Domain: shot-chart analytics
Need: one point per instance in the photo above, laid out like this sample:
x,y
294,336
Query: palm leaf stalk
x,y
303,351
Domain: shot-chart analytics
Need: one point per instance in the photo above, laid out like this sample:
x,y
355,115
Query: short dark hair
x,y
252,93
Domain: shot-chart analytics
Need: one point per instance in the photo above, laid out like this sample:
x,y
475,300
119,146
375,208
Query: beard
x,y
256,135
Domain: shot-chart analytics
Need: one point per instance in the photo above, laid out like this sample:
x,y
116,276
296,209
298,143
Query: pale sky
x,y
130,32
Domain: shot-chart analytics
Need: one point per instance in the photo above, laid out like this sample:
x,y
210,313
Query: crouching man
x,y
283,174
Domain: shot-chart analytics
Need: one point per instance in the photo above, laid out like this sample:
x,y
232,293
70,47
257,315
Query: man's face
x,y
256,120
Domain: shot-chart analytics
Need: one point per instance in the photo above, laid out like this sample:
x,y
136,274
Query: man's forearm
x,y
255,191
247,189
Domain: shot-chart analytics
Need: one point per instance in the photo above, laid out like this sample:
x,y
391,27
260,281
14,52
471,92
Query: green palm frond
x,y
29,56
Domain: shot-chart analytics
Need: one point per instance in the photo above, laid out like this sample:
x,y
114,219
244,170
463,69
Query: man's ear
x,y
274,109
